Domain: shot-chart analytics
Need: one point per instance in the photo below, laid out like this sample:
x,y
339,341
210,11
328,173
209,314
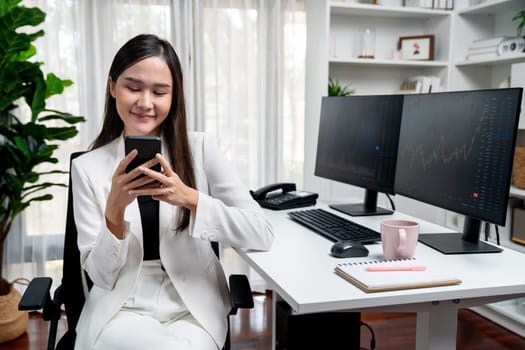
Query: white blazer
x,y
225,213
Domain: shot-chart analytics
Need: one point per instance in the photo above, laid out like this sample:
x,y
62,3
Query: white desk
x,y
299,269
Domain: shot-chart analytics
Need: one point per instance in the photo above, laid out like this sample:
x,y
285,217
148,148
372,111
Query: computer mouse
x,y
348,249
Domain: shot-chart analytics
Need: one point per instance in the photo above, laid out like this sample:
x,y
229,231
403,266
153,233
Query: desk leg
x,y
275,298
436,330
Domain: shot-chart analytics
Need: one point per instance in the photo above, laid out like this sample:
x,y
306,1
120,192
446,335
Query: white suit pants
x,y
154,317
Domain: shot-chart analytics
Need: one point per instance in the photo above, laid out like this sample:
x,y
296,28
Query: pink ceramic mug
x,y
399,238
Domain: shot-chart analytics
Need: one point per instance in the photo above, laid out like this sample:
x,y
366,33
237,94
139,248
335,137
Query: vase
x,y
366,42
13,323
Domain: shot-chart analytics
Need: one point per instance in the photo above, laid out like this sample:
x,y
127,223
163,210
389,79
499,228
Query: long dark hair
x,y
174,128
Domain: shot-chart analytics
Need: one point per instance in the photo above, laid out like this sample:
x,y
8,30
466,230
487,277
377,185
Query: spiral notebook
x,y
417,275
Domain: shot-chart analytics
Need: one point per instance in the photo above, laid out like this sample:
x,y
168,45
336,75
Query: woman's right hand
x,y
119,198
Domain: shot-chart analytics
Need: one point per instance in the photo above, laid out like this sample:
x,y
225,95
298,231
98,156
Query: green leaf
x,y
18,207
66,117
45,185
7,5
39,131
44,197
12,44
31,177
24,55
520,16
16,46
19,16
54,85
21,145
35,188
54,172
38,103
62,133
335,89
23,79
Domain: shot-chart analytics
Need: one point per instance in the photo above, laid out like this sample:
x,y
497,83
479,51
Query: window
x,y
244,64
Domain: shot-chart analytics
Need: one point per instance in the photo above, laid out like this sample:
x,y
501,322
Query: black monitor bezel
x,y
501,218
343,178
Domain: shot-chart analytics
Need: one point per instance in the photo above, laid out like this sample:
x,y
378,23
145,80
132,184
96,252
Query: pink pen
x,y
396,268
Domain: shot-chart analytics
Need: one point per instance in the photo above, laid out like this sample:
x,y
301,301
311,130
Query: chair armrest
x,y
240,293
36,296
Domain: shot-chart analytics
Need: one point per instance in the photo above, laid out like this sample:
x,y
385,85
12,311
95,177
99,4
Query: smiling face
x,y
143,94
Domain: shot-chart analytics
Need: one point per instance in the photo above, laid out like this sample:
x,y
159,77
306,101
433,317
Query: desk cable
x,y
373,340
391,202
487,232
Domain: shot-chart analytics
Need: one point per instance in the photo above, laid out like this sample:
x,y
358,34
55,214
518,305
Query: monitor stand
x,y
369,207
457,243
360,209
453,243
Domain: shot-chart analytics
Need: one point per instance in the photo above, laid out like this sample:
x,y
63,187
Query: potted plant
x,y
336,89
520,16
25,144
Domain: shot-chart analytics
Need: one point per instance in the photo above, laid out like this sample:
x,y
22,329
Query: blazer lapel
x,y
166,220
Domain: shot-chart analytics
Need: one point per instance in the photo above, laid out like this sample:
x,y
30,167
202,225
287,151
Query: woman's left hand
x,y
172,189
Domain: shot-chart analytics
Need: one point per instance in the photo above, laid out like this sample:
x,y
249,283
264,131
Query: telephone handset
x,y
283,195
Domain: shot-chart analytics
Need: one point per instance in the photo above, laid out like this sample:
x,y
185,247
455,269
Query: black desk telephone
x,y
281,196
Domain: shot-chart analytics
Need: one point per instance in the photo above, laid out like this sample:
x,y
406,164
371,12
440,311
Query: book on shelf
x,y
482,52
430,4
389,275
481,56
419,3
443,4
487,49
489,42
420,84
410,87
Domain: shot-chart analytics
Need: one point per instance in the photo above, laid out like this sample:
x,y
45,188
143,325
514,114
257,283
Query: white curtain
x,y
243,64
250,62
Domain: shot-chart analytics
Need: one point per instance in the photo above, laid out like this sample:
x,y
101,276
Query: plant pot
x,y
13,323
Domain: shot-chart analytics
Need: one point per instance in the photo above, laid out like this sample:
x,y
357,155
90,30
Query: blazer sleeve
x,y
102,255
228,213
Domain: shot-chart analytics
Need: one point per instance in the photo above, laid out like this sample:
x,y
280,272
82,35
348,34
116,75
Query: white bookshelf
x,y
387,63
353,8
390,23
332,35
491,62
490,7
486,20
517,192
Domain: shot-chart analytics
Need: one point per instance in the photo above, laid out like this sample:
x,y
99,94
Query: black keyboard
x,y
334,227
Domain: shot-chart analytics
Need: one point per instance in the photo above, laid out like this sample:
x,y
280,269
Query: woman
x,y
172,294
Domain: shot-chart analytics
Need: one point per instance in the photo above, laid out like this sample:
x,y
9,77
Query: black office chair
x,y
71,292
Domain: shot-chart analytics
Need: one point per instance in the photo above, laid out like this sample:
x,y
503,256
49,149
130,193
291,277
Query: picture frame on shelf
x,y
419,47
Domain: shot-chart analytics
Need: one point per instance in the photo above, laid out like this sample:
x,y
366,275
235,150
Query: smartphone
x,y
147,146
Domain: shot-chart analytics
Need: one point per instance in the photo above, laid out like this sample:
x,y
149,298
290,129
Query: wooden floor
x,y
251,330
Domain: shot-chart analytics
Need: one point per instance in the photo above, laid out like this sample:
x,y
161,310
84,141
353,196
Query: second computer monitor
x,y
357,145
455,152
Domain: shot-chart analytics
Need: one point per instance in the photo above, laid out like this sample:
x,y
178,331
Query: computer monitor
x,y
357,145
455,152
